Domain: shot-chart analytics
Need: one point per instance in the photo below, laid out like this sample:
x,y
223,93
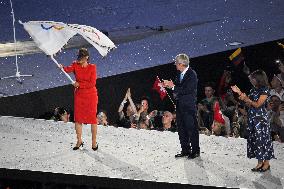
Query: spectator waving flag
x,y
237,57
51,37
158,86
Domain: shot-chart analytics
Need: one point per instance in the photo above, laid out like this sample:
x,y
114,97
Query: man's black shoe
x,y
181,155
195,155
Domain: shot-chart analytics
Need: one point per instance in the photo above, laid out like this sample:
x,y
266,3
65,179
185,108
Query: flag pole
x,y
68,76
167,94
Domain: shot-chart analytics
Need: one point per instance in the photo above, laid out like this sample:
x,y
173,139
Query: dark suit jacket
x,y
185,92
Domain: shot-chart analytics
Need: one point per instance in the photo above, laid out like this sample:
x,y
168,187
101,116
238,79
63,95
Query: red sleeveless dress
x,y
85,97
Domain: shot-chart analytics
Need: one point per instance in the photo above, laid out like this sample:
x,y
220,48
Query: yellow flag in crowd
x,y
237,57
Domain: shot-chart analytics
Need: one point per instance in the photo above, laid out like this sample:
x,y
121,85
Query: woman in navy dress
x,y
259,142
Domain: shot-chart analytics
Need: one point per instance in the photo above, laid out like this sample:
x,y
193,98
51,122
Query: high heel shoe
x,y
77,147
256,169
264,170
96,148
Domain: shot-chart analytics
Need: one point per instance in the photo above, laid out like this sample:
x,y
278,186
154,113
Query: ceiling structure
x,y
147,33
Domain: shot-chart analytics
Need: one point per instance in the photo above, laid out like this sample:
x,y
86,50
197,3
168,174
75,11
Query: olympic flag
x,y
51,37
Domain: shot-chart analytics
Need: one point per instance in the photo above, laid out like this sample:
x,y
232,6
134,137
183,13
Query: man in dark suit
x,y
185,92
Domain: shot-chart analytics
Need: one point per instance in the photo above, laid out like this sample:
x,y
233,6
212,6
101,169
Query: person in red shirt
x,y
85,96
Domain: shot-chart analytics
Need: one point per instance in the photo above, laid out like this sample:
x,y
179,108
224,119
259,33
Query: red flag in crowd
x,y
159,88
218,116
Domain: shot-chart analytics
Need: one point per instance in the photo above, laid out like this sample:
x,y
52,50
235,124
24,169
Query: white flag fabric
x,y
99,40
52,36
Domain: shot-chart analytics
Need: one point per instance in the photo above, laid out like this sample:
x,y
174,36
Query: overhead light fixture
x,y
235,43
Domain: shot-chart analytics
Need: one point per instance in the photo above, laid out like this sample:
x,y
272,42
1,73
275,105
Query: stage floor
x,y
40,145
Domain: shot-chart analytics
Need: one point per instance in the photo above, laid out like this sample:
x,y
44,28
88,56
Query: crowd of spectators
x,y
140,115
220,113
224,115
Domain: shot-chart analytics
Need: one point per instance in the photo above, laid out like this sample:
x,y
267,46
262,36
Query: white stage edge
x,y
40,145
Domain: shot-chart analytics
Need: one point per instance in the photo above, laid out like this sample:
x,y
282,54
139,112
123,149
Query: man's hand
x,y
168,83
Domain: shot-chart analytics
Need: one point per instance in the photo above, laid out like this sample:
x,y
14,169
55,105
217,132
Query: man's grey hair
x,y
168,112
182,59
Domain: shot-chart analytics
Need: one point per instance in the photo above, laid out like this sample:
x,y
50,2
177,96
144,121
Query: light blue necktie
x,y
181,77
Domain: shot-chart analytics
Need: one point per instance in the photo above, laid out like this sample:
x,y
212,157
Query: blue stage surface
x,y
147,33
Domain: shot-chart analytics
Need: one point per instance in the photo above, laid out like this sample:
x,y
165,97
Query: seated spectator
x,y
225,92
276,87
205,107
61,114
221,123
144,119
276,117
102,118
239,122
127,118
167,119
225,84
281,74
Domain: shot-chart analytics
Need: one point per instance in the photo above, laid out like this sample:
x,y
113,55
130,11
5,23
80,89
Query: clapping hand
x,y
153,113
236,89
242,96
128,94
168,83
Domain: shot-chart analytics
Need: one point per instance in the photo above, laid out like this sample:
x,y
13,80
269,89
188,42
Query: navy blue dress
x,y
259,142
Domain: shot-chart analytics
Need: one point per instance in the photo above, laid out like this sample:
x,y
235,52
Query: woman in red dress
x,y
85,96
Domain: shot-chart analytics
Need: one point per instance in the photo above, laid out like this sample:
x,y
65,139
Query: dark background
x,y
112,89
